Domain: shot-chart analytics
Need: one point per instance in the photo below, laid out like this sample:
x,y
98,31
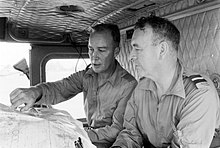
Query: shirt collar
x,y
176,88
118,73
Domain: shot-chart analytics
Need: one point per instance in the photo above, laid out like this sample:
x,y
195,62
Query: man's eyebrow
x,y
103,47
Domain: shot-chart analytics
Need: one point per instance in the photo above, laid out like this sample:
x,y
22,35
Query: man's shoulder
x,y
126,75
129,77
200,87
128,80
87,72
197,82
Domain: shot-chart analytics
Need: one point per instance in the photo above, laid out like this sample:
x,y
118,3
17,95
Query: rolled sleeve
x,y
62,90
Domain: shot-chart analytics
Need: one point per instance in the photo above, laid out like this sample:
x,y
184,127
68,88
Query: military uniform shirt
x,y
186,116
104,105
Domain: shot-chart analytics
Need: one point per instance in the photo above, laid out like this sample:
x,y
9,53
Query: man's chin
x,y
96,70
140,72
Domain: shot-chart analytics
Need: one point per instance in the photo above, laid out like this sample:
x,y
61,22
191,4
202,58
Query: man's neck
x,y
107,74
164,79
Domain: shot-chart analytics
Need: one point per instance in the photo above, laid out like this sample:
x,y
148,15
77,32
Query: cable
x,y
79,57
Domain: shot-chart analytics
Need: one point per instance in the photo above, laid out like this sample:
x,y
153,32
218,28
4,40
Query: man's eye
x,y
91,49
102,50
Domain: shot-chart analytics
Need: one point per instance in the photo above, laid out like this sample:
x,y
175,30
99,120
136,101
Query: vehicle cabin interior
x,y
59,29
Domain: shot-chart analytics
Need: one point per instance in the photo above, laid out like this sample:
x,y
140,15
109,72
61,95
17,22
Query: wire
x,y
79,57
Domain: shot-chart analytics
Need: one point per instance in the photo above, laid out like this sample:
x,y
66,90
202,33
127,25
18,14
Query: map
x,y
44,128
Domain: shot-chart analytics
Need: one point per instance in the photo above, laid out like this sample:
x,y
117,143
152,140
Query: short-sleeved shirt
x,y
186,115
104,105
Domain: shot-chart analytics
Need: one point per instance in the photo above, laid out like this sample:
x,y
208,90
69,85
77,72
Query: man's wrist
x,y
38,92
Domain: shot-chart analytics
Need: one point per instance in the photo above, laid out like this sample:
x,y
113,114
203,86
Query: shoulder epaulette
x,y
197,79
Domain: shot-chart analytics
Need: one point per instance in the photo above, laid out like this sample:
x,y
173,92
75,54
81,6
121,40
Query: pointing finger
x,y
26,107
17,103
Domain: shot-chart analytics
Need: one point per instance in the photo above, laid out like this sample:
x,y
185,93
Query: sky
x,y
10,54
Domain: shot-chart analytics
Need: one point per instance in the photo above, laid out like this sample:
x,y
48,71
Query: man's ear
x,y
116,51
163,49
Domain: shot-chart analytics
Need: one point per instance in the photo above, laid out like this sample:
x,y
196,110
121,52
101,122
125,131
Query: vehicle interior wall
x,y
200,36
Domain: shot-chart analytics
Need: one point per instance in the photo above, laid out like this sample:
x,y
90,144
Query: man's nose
x,y
95,55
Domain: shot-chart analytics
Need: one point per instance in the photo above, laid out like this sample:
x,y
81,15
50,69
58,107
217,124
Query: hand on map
x,y
26,96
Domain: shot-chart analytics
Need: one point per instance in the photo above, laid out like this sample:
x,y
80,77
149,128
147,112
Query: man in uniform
x,y
171,106
106,87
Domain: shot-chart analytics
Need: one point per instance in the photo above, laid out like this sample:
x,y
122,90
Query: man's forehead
x,y
101,32
140,35
146,31
103,35
101,40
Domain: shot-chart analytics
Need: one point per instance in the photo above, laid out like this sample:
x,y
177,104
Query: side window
x,y
10,78
57,69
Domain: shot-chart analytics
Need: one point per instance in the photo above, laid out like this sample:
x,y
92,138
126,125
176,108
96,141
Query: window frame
x,y
41,54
